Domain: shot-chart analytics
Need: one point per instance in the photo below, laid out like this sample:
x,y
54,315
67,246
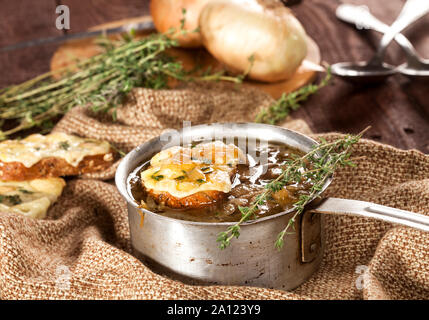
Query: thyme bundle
x,y
102,82
316,166
289,102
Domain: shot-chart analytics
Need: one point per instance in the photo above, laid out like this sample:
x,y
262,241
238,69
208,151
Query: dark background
x,y
397,110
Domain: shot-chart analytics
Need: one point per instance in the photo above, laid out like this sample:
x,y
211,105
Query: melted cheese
x,y
184,171
30,198
35,147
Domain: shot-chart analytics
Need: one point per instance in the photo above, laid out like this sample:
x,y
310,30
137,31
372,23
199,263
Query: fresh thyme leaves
x,y
12,199
25,191
157,177
64,145
182,21
289,102
201,181
121,153
324,158
207,170
179,178
201,160
101,82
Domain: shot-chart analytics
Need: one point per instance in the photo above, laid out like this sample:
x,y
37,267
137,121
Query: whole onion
x,y
264,30
168,14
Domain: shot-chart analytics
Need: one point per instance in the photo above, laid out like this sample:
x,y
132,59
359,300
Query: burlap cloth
x,y
81,251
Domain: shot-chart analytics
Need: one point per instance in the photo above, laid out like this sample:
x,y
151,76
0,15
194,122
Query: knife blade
x,y
144,25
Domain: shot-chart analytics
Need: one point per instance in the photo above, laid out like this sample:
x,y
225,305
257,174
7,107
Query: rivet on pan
x,y
313,247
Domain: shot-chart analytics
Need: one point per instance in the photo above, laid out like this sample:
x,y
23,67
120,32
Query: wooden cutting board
x,y
70,52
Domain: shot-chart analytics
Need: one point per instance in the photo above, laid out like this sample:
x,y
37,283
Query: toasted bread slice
x,y
197,200
53,155
185,178
30,198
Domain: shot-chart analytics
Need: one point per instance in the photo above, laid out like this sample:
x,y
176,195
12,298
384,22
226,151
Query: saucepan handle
x,y
372,210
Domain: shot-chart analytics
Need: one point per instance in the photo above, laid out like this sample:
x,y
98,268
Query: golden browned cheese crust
x,y
54,167
194,201
191,178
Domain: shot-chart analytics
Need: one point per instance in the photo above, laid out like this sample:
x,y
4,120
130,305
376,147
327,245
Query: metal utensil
x,y
415,67
188,250
376,70
145,24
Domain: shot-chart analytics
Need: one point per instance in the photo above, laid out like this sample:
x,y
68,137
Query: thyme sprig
x,y
289,102
316,166
102,82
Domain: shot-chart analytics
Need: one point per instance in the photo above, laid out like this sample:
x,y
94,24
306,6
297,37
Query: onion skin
x,y
234,32
167,14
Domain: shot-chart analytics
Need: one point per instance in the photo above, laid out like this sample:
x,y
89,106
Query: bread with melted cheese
x,y
30,198
183,178
53,155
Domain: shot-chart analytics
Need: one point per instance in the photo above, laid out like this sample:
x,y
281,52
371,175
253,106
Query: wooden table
x,y
397,110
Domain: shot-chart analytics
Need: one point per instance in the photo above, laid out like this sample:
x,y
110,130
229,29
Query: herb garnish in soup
x,y
209,182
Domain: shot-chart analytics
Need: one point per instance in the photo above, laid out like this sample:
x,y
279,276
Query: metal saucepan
x,y
188,250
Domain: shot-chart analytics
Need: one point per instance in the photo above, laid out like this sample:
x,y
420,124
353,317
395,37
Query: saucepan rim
x,y
122,174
